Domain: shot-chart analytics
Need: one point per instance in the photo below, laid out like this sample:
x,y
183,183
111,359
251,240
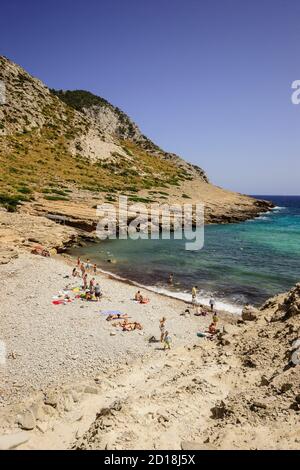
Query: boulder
x,y
51,399
27,420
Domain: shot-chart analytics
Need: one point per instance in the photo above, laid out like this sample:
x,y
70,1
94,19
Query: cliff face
x,y
64,152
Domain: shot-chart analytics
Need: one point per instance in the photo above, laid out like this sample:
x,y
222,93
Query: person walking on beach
x,y
97,291
85,281
162,328
212,303
167,341
95,268
88,265
194,294
82,269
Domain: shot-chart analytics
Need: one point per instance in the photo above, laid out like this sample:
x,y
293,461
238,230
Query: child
x,y
215,319
167,341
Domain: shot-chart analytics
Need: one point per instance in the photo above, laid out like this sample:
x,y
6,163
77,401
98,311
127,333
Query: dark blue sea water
x,y
245,262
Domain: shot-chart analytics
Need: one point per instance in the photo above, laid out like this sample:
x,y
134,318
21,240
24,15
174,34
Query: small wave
x,y
186,297
278,208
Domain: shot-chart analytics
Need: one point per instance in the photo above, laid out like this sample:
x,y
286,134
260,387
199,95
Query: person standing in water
x,y
171,279
212,303
194,294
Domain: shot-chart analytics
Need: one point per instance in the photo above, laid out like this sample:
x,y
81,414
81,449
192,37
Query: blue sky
x,y
207,79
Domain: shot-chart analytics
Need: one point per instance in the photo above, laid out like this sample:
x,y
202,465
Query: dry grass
x,y
39,163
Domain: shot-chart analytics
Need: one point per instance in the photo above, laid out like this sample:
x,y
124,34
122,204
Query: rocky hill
x,y
63,152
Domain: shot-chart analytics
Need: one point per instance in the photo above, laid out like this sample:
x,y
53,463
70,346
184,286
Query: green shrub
x,y
24,190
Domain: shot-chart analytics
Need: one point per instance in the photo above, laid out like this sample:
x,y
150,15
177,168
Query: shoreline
x,y
221,306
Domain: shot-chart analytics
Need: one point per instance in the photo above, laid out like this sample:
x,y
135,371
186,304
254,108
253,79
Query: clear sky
x,y
207,79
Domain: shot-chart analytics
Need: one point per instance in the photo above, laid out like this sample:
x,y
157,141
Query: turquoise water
x,y
246,262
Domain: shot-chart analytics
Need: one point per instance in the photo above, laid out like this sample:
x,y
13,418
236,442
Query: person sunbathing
x,y
144,300
126,326
212,329
117,316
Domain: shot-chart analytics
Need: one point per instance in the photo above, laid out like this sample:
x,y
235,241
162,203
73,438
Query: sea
x,y
240,263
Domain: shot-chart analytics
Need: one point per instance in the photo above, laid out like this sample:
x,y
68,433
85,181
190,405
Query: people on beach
x,y
85,281
88,265
171,279
75,272
194,294
78,262
138,296
92,285
167,341
215,318
200,311
97,291
212,329
82,269
212,303
162,328
127,326
95,268
186,312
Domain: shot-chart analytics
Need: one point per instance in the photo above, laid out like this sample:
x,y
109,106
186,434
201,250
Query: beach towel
x,y
61,302
203,335
110,312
